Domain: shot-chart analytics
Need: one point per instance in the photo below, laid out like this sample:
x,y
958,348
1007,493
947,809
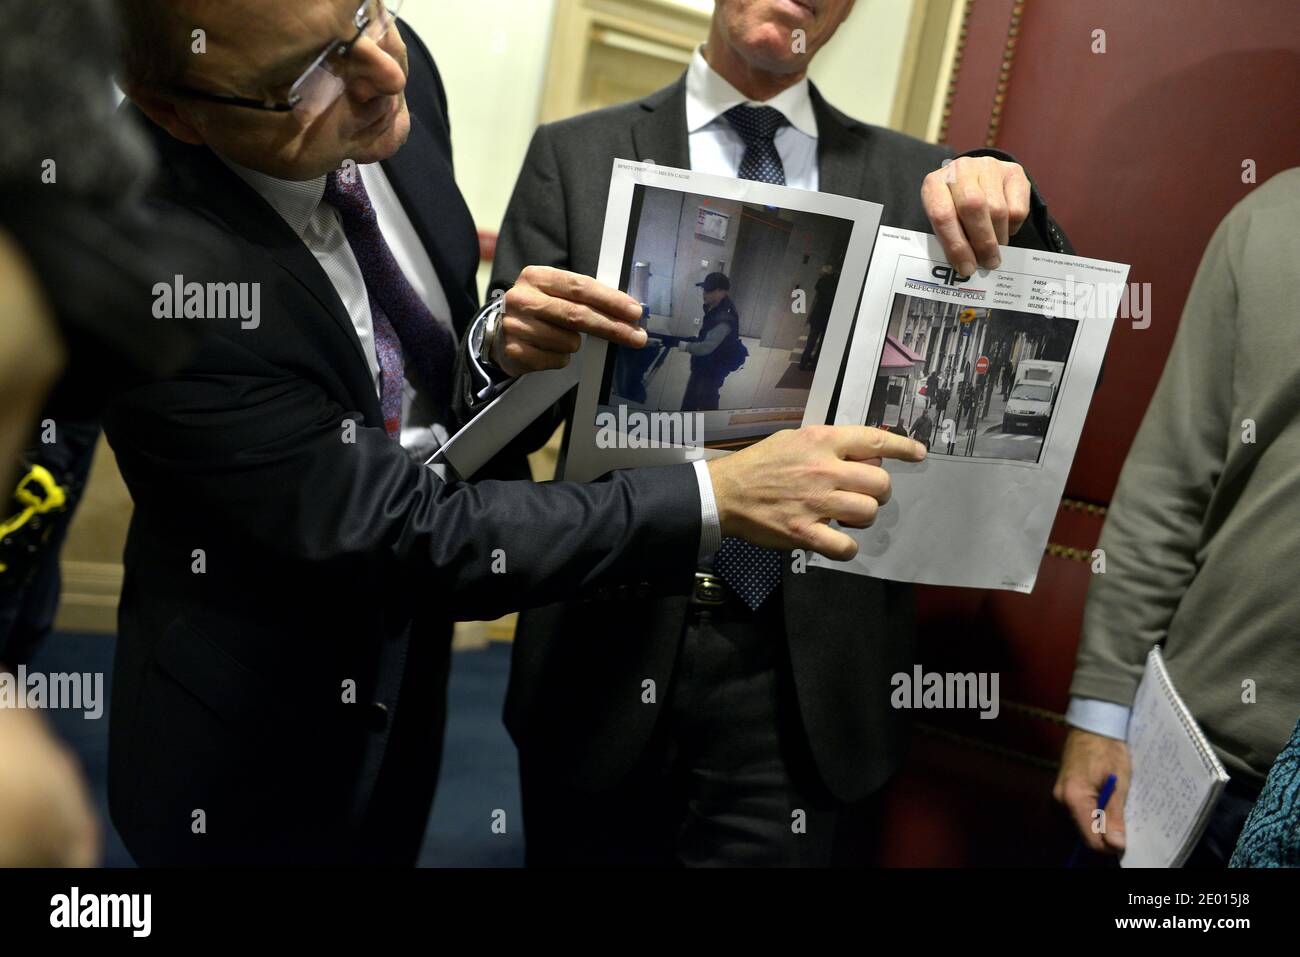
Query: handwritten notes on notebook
x,y
1177,778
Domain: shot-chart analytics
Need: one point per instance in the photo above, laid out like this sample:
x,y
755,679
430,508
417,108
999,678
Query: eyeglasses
x,y
322,83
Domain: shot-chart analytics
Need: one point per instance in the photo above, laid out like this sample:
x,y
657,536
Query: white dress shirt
x,y
1100,717
717,148
300,204
715,145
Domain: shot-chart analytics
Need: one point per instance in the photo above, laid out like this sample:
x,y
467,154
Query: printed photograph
x,y
970,381
736,298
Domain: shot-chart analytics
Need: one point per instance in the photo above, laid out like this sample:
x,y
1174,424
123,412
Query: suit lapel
x,y
841,159
841,153
261,225
426,186
199,179
258,223
660,135
203,180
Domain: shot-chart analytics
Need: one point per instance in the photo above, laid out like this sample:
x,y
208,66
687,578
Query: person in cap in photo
x,y
718,351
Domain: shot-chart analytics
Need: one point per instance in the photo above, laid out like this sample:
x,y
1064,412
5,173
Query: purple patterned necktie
x,y
405,329
753,572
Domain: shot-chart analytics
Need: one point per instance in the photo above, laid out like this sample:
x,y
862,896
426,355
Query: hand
x,y
975,204
45,814
547,309
784,491
1086,762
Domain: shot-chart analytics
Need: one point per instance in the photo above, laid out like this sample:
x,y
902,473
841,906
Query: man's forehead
x,y
249,37
271,15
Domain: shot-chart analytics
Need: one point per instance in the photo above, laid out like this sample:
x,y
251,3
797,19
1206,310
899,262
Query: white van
x,y
1033,395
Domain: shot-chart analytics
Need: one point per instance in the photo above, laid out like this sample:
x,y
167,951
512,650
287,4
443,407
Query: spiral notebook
x,y
1177,778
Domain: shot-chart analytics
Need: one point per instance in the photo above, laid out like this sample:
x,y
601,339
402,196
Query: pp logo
x,y
948,276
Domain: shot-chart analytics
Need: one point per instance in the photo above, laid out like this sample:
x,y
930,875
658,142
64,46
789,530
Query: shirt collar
x,y
295,200
708,96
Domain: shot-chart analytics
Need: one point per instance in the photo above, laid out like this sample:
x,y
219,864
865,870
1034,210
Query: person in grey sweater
x,y
1202,539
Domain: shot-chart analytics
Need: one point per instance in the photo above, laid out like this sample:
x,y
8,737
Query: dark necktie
x,y
753,572
757,126
405,329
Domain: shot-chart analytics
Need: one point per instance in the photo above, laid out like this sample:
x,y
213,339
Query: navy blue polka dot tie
x,y
757,126
753,572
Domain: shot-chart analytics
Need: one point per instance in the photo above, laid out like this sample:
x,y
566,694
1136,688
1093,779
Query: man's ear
x,y
162,110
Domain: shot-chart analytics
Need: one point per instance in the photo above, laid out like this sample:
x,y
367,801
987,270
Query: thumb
x,y
1115,830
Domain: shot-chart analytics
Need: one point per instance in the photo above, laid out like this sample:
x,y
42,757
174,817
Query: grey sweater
x,y
1202,540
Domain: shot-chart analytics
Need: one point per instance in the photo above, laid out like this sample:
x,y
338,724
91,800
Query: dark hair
x,y
155,44
61,109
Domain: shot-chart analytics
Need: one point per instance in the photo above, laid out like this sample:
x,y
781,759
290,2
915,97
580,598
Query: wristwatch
x,y
483,339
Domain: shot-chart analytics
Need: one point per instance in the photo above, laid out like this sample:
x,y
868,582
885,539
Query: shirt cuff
x,y
710,527
486,380
1100,717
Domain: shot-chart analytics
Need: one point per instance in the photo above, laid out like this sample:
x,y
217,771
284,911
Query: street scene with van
x,y
970,381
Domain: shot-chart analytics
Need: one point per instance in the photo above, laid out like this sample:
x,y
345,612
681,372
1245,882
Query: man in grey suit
x,y
747,722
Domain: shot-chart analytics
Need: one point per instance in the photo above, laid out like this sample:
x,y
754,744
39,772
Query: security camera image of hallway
x,y
737,299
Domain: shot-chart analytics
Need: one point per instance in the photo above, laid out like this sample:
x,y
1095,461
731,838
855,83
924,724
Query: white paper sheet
x,y
1177,778
978,510
504,417
772,242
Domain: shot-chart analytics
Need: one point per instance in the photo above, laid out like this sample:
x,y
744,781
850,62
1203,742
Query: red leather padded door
x,y
1140,151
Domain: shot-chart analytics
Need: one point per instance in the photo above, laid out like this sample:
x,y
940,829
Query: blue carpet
x,y
479,774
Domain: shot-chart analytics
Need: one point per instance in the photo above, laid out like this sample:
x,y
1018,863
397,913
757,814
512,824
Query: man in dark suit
x,y
292,568
748,722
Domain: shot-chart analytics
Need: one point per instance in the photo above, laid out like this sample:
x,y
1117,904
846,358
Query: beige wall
x,y
858,70
492,57
92,556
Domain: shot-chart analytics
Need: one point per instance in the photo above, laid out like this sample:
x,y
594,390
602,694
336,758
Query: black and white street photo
x,y
970,381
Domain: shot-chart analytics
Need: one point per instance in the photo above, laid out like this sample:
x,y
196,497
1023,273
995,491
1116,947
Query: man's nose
x,y
373,72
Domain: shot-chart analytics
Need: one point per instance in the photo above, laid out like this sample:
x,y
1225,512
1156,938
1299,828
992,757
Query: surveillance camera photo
x,y
973,382
736,298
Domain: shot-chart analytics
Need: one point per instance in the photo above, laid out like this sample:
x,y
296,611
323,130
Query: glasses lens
x,y
380,16
324,83
316,92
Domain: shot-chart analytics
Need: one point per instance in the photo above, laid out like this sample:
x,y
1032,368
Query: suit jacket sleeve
x,y
280,466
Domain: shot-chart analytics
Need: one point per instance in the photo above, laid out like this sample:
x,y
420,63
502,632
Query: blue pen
x,y
1103,798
